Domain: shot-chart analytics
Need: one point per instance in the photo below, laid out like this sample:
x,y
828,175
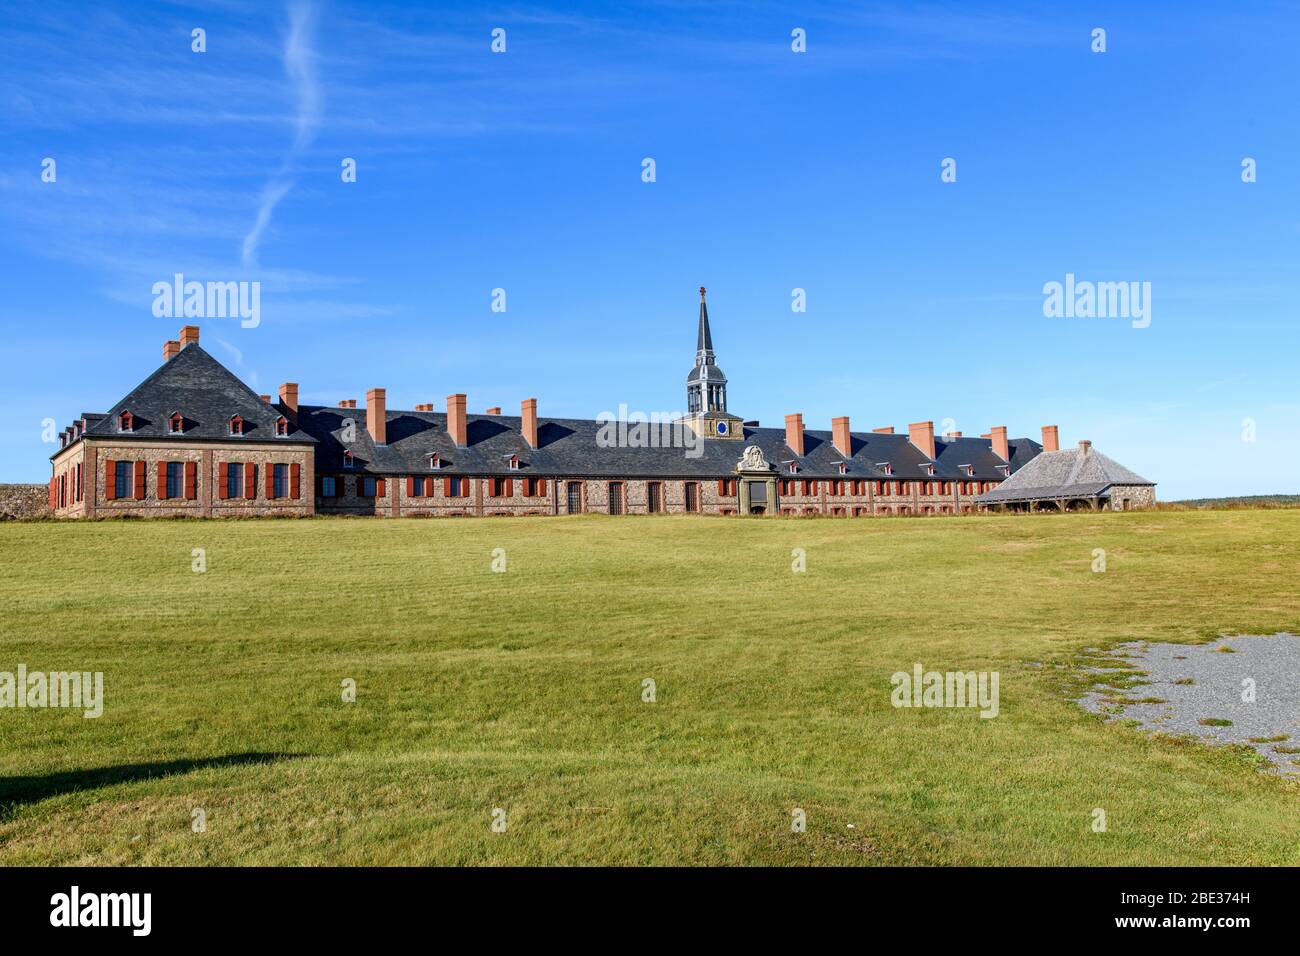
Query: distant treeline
x,y
1246,501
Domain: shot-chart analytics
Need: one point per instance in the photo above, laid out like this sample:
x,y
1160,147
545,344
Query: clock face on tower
x,y
720,427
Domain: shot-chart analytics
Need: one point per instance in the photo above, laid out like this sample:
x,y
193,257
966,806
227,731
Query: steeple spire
x,y
706,386
704,342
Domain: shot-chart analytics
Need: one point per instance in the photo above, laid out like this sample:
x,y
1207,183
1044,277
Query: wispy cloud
x,y
299,65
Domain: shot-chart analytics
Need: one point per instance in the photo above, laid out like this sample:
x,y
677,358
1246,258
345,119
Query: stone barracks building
x,y
192,439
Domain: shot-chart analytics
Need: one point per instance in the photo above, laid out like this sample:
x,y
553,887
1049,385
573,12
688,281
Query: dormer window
x,y
514,462
348,460
886,467
236,425
435,461
794,468
929,471
126,422
1006,470
176,424
281,427
844,468
968,469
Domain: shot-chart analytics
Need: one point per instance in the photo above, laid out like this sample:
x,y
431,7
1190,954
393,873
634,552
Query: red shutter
x,y
191,480
410,486
110,482
223,489
510,488
464,487
250,480
379,487
446,487
162,481
541,487
139,481
268,477
52,480
295,480
722,486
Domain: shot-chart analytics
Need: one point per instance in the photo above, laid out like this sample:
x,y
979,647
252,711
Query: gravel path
x,y
1215,692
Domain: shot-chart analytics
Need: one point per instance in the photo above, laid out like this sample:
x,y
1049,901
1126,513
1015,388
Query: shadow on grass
x,y
16,792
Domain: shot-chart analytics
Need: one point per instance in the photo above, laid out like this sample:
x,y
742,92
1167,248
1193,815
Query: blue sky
x,y
774,171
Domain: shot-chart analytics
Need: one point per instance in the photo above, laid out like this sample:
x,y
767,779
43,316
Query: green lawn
x,y
522,690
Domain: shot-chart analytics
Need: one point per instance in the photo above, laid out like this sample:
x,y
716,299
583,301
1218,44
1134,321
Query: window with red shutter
x,y
250,480
541,487
510,488
446,487
268,477
139,481
191,480
379,488
162,481
295,480
410,486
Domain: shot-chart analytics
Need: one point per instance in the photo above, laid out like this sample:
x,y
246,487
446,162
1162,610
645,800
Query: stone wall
x,y
24,501
1137,496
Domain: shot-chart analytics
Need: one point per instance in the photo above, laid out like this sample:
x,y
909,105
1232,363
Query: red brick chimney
x,y
424,408
347,403
794,432
189,335
266,399
887,430
171,348
1051,441
289,399
456,419
494,410
528,424
840,434
1000,447
921,434
377,415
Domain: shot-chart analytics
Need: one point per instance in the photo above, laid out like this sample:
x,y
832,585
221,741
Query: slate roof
x,y
1072,473
206,393
570,447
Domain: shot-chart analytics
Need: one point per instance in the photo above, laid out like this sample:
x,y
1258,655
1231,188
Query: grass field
x,y
522,690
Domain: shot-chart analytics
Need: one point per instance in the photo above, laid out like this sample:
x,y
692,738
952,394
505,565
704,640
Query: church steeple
x,y
706,385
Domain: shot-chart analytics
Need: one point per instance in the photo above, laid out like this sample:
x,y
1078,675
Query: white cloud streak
x,y
299,66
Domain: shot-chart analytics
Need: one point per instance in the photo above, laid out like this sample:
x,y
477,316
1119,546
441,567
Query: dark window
x,y
575,497
367,487
175,479
654,497
281,481
417,487
327,487
124,479
692,496
234,479
616,497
